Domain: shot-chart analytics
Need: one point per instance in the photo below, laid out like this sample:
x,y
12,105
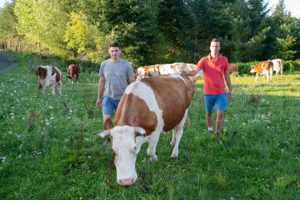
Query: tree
x,y
286,29
8,23
80,35
134,27
42,22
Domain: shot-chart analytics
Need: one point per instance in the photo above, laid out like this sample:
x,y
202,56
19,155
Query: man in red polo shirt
x,y
215,69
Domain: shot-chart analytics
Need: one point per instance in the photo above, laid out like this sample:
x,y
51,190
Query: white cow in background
x,y
277,66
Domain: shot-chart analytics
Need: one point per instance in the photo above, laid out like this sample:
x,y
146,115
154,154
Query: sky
x,y
292,6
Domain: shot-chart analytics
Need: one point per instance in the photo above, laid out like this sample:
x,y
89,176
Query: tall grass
x,y
49,148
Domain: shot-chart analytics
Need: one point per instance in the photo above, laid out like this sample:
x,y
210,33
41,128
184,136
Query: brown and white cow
x,y
73,72
264,68
277,66
233,68
148,107
49,76
165,69
147,71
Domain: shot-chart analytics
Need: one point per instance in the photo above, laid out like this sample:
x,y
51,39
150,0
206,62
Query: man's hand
x,y
184,73
98,103
230,95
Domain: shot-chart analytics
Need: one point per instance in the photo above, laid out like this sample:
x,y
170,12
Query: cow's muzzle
x,y
127,181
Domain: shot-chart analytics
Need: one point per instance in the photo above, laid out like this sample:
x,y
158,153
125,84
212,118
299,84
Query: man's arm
x,y
101,84
130,80
192,72
228,82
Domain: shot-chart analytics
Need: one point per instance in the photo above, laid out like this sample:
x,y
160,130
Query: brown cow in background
x,y
233,68
264,68
73,72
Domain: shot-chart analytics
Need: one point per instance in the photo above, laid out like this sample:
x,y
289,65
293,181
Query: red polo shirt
x,y
213,73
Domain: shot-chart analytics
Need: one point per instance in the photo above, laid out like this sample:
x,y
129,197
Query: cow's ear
x,y
104,134
139,131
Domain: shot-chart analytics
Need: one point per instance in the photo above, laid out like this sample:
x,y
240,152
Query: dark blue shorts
x,y
109,105
211,99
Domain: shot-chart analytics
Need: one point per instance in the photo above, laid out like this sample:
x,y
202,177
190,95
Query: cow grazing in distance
x,y
233,68
49,76
73,72
264,68
277,66
147,108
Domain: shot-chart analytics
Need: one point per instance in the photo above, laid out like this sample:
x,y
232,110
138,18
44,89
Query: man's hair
x,y
215,40
115,44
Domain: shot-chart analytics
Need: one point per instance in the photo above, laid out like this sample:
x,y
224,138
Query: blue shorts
x,y
211,99
109,105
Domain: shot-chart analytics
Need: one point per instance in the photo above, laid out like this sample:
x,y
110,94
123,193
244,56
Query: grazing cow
x,y
277,66
233,68
264,68
49,76
73,72
147,108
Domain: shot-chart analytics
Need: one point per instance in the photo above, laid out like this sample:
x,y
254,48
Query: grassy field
x,y
49,148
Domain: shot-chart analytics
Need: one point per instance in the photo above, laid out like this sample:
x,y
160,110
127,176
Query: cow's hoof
x,y
153,158
172,142
174,154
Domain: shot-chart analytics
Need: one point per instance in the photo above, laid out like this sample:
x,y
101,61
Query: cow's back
x,y
172,95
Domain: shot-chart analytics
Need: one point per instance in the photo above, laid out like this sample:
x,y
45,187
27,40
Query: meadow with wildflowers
x,y
49,148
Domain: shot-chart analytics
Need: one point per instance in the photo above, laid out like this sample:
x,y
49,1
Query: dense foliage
x,y
151,31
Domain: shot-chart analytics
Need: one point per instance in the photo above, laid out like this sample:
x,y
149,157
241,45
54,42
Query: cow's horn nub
x,y
104,134
140,130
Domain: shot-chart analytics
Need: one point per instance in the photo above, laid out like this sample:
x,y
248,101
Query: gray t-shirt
x,y
116,75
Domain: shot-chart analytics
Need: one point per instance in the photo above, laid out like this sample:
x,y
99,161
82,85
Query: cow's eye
x,y
134,149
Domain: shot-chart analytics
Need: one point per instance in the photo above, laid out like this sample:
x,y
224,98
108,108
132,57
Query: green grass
x,y
49,148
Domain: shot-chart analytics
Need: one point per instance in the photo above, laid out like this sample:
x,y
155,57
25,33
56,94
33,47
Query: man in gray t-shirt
x,y
115,75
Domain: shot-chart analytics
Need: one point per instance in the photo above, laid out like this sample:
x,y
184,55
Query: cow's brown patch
x,y
133,111
173,96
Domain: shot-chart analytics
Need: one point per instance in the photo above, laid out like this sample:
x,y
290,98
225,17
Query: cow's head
x,y
124,146
253,69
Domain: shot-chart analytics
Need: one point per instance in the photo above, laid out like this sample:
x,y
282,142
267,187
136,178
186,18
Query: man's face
x,y
215,48
114,53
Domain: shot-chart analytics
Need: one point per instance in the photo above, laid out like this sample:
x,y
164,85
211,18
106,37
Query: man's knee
x,y
107,122
208,114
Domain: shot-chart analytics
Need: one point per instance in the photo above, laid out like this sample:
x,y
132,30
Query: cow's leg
x,y
256,77
59,88
44,87
178,135
174,131
153,140
53,89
